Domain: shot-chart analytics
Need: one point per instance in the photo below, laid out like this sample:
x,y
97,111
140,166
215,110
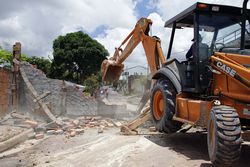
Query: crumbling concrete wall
x,y
64,98
5,91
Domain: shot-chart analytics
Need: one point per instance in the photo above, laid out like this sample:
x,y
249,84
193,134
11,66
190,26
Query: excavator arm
x,y
112,68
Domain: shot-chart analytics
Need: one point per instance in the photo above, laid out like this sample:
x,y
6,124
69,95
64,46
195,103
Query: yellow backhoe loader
x,y
211,89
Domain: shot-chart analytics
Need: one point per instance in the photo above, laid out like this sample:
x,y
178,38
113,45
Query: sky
x,y
36,23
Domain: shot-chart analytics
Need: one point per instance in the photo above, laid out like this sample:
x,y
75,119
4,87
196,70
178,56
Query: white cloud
x,y
37,23
169,8
114,39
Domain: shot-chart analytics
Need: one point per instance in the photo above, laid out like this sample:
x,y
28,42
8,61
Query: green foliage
x,y
41,63
25,58
76,57
5,58
92,83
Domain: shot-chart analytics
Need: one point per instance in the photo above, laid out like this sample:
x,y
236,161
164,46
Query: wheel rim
x,y
158,105
211,138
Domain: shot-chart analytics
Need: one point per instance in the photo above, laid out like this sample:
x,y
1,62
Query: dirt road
x,y
112,149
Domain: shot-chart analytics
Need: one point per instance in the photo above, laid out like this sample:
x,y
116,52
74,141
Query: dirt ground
x,y
112,149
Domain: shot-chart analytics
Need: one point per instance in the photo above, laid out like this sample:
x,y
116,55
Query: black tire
x,y
224,136
165,123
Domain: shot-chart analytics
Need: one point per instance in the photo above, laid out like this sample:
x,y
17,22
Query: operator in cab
x,y
189,54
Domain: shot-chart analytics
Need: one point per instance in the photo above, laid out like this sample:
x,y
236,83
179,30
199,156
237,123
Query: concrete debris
x,y
118,124
59,132
16,139
75,127
51,125
7,132
79,131
88,118
94,123
76,122
68,126
44,107
40,128
152,129
96,118
100,130
33,124
19,116
51,132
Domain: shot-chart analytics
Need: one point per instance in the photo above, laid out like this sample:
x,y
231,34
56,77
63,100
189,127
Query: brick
x,y
72,133
88,118
39,136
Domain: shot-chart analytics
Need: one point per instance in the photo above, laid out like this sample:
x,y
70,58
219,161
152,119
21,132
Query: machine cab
x,y
216,28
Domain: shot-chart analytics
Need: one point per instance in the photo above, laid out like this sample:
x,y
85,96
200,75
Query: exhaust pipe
x,y
243,26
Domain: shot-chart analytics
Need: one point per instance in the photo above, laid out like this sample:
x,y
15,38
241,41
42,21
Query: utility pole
x,y
15,71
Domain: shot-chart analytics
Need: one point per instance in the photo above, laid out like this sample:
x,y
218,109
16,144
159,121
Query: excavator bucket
x,y
111,71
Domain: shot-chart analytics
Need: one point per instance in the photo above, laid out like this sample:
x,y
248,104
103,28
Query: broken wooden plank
x,y
5,145
42,96
130,128
19,116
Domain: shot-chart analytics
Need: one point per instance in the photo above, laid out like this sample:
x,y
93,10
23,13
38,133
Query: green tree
x,y
41,63
76,57
92,83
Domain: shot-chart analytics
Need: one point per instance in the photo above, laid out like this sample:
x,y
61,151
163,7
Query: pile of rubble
x,y
73,127
40,107
54,107
19,127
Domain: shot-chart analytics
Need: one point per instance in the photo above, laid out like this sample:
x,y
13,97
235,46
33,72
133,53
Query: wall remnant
x,y
63,98
5,92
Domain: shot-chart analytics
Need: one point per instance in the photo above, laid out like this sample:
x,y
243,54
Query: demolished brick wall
x,y
5,91
64,98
